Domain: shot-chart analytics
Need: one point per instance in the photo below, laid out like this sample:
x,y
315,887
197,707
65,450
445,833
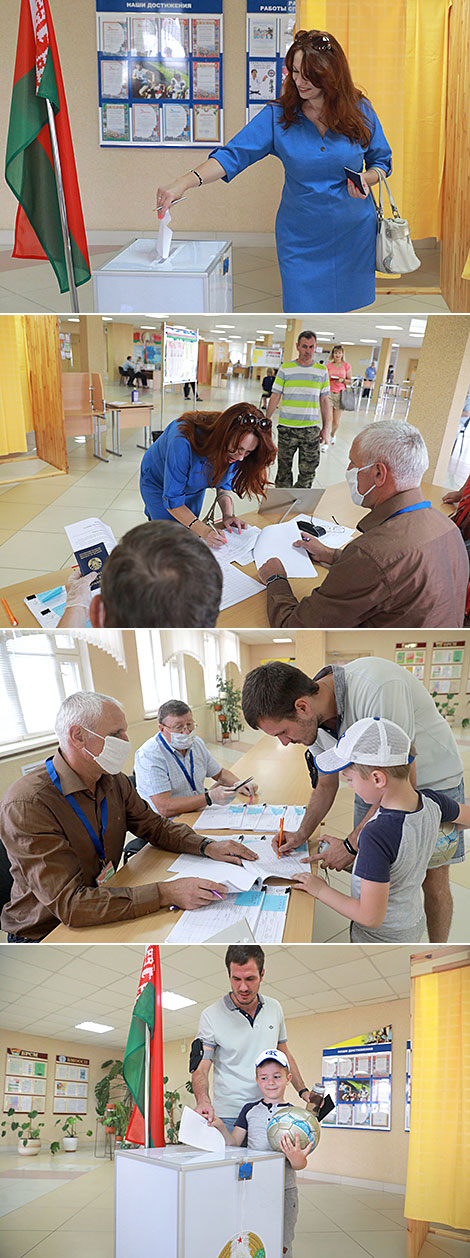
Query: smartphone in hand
x,y
356,178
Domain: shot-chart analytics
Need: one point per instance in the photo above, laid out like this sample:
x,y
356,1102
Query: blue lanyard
x,y
189,776
416,506
96,839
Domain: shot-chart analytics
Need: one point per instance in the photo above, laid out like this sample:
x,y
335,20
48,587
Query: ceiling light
x,y
322,335
70,319
148,327
417,334
263,332
171,1000
223,326
283,639
364,342
280,325
390,327
98,1027
417,325
348,342
106,319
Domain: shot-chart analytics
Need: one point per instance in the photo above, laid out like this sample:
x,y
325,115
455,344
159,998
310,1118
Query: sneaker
x,y
332,441
324,447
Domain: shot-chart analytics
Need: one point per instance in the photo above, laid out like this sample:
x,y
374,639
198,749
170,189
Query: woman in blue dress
x,y
325,227
224,450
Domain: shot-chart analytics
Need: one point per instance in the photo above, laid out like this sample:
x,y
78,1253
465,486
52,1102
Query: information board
x,y
180,353
71,1084
25,1081
269,34
160,73
357,1074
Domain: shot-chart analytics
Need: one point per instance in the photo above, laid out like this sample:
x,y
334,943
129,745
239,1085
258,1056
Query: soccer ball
x,y
292,1121
446,845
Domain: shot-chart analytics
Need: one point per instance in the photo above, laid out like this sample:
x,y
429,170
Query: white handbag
x,y
394,250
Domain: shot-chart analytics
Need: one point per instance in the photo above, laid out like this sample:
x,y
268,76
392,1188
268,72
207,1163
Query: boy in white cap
x,y
398,843
272,1077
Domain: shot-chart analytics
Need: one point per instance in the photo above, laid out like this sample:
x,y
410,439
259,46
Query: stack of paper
x,y
254,817
242,877
237,586
263,910
239,546
276,541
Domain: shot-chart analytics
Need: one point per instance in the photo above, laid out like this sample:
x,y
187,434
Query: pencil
x,y
281,828
9,613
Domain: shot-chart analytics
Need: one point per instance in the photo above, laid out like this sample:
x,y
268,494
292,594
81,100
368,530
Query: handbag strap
x,y
380,209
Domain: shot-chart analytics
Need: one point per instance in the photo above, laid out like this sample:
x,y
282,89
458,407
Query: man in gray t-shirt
x,y
232,1033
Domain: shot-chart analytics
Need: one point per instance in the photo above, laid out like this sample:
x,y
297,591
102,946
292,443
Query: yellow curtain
x,y
397,50
438,1178
16,417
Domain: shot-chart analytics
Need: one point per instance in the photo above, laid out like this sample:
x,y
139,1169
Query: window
x,y
37,671
211,663
159,681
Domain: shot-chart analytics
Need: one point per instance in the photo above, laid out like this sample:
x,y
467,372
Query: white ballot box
x,y
196,277
179,1202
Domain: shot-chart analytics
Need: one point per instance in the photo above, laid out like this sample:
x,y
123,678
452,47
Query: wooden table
x,y
283,778
134,415
252,612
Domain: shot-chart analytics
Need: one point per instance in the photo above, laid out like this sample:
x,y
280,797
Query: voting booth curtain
x,y
397,51
439,1156
16,415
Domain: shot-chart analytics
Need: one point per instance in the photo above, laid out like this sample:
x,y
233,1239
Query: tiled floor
x,y
33,514
31,286
76,1217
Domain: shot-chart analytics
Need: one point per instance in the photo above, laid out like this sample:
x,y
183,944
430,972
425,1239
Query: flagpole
x,y
147,1089
62,210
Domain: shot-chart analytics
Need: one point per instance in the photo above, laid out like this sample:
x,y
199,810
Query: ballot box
x,y
179,1202
196,277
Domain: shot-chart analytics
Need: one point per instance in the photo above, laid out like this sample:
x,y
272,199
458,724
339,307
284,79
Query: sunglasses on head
x,y
259,421
319,43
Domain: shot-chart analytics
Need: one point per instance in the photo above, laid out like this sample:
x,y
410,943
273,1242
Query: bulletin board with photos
x,y
269,34
357,1074
413,658
71,1084
160,73
25,1081
447,667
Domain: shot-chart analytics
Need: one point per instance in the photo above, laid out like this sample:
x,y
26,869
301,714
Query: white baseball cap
x,y
272,1054
370,741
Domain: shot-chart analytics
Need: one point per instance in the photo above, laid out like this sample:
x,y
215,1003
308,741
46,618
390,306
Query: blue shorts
x,y
455,792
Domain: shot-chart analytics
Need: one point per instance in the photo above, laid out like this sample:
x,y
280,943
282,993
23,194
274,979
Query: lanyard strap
x,y
416,506
96,839
189,776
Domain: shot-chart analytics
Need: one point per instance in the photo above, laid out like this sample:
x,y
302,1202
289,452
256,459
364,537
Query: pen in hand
x,y
281,828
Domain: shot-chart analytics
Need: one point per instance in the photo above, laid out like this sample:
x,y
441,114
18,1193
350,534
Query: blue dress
x,y
172,475
325,239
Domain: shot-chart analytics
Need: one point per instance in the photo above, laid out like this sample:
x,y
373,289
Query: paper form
x,y
198,925
235,877
47,607
272,919
239,546
251,817
237,586
195,1130
277,542
90,532
270,866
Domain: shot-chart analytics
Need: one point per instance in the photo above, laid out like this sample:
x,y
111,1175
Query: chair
x,y
122,376
464,421
263,401
84,408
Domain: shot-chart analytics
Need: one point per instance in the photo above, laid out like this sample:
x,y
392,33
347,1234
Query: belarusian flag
x,y
147,1011
29,167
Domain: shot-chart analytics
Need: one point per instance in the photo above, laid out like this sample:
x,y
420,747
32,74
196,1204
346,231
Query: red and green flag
x,y
147,1012
29,166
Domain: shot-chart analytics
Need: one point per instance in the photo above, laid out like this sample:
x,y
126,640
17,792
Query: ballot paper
x,y
269,864
164,238
239,546
199,925
254,817
277,542
235,877
195,1130
237,586
88,534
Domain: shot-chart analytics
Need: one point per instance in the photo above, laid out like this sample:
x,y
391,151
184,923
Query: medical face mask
x,y
115,751
351,475
182,741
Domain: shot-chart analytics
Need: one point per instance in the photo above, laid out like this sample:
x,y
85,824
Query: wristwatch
x,y
209,801
203,846
276,576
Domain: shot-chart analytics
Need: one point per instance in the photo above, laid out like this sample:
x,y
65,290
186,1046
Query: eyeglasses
x,y
312,768
319,42
259,421
187,728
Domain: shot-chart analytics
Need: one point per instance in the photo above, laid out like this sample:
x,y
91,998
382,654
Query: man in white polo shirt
x,y
289,705
231,1035
171,768
303,389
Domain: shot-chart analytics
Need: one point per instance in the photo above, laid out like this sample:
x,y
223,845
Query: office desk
x,y
252,612
282,777
128,415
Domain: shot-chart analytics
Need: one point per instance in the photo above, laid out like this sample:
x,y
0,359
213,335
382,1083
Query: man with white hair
x,y
64,826
409,565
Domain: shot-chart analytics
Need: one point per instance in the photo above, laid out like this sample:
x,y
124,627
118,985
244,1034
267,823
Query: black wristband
x,y
203,846
190,525
208,798
349,847
302,1090
277,576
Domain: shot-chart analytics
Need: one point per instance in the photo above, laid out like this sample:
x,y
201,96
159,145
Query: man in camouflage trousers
x,y
303,389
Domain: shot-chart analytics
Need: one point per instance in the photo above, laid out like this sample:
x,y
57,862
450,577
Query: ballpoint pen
x,y
281,828
214,530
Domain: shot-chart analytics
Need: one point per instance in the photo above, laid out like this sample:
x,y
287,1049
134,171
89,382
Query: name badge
x,y
106,873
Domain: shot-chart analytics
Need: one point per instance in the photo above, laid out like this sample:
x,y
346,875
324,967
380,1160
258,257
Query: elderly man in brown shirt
x,y
408,567
64,827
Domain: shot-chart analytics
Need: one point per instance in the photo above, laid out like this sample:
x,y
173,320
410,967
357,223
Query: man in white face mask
x,y
64,826
171,768
408,566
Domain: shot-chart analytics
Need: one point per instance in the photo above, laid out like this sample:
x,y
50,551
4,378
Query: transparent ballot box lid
x,y
184,1157
186,257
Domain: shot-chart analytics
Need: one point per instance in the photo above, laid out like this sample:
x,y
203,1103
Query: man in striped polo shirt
x,y
303,388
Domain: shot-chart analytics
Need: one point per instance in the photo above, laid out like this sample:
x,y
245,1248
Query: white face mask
x,y
114,754
351,475
182,741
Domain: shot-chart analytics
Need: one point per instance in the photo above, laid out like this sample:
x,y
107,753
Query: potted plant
x,y
108,1119
29,1139
446,705
103,1086
228,706
69,1139
121,1121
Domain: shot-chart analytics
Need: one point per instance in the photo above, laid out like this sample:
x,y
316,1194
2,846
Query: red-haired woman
x,y
224,450
325,227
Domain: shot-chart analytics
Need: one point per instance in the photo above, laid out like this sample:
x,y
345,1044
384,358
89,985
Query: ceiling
x,y
343,327
47,990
